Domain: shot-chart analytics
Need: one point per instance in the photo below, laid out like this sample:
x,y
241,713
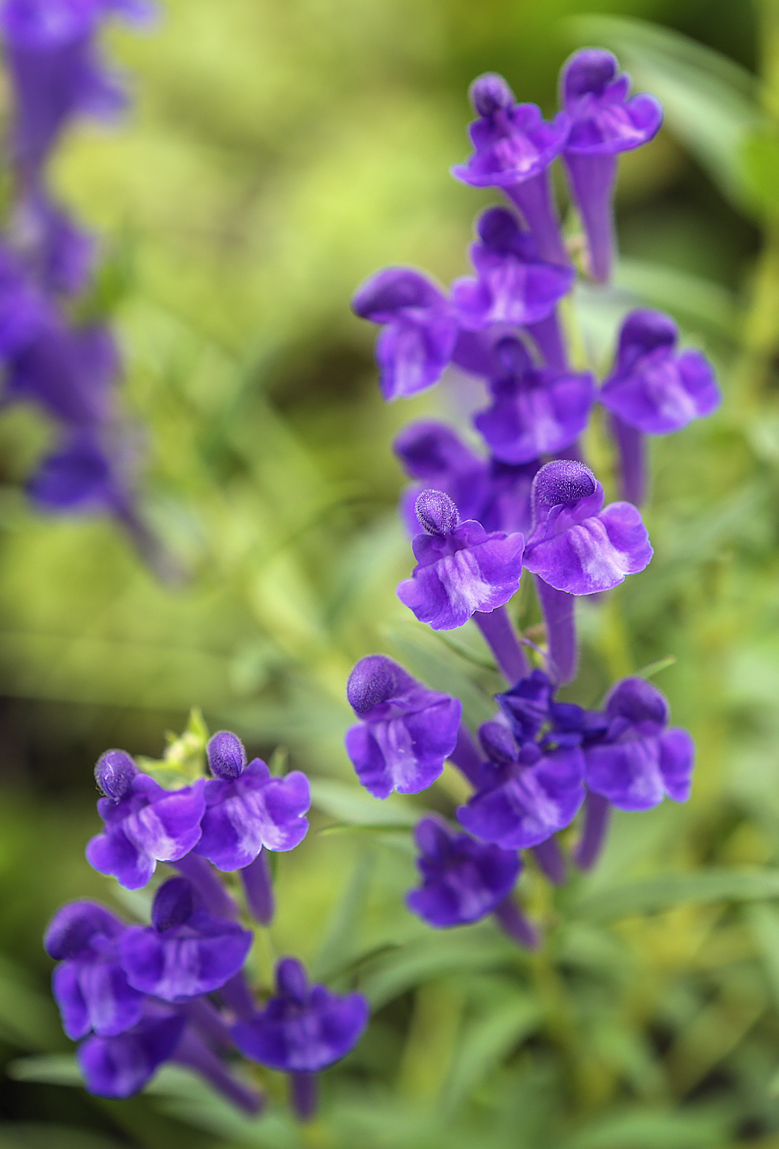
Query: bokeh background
x,y
276,155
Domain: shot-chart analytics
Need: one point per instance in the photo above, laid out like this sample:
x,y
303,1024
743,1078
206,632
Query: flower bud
x,y
114,773
490,93
226,755
437,513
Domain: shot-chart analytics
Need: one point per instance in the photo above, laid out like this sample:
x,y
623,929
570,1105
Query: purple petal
x,y
168,828
251,812
413,355
323,1032
74,926
546,413
405,753
677,758
121,1066
177,966
112,1004
594,555
628,773
396,289
113,853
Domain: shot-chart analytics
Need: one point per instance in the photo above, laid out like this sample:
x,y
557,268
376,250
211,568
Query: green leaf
x,y
663,893
652,1129
28,1016
52,1069
695,301
37,1135
350,804
764,923
339,942
711,104
184,759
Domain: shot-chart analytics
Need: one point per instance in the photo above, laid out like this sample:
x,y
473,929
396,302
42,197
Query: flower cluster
x,y
56,352
527,500
135,996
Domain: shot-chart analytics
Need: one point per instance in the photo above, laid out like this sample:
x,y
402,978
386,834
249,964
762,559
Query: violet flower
x,y
24,311
462,880
406,731
419,329
248,810
461,569
144,824
534,411
78,477
526,794
90,985
301,1031
653,390
513,149
121,1065
186,951
58,254
603,122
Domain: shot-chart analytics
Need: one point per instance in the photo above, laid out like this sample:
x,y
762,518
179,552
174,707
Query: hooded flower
x,y
419,329
90,986
406,731
602,118
144,824
639,760
534,411
78,477
577,545
304,1028
120,1066
654,387
185,952
462,879
460,568
526,794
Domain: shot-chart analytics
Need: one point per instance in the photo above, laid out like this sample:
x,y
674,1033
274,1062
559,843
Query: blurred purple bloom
x,y
534,411
513,148
406,731
460,567
304,1028
654,387
90,986
514,285
604,122
576,546
639,759
526,795
120,1066
185,952
71,373
24,312
57,253
56,69
463,880
252,811
143,825
527,703
419,329
78,478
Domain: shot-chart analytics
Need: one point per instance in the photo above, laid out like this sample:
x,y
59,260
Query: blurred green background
x,y
278,153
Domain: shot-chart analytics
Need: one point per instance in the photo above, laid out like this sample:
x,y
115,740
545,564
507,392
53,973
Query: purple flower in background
x,y
71,373
406,731
185,952
304,1028
603,122
56,69
527,704
248,810
24,312
534,411
419,329
463,880
639,760
144,824
57,253
460,568
578,546
513,148
90,986
514,285
654,390
120,1066
526,794
78,478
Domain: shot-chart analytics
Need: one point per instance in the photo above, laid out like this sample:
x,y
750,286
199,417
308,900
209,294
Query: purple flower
x,y
56,70
514,286
526,794
71,373
534,411
460,567
603,122
405,732
576,546
653,387
144,824
496,494
57,253
303,1028
90,986
247,810
639,759
527,703
120,1066
419,329
513,148
24,313
463,880
78,478
185,952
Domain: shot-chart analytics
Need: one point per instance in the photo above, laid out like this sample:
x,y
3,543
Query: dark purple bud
x,y
374,680
590,70
512,356
291,980
226,755
490,93
499,229
563,481
640,703
74,925
114,773
498,743
437,513
173,904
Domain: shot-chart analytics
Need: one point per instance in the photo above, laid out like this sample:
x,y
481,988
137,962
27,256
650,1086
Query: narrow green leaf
x,y
663,893
350,804
343,928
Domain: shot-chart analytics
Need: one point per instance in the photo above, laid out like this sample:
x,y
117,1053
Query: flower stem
x,y
558,611
303,1095
534,199
258,887
548,338
516,925
499,632
193,1053
550,858
203,877
466,757
592,181
597,815
632,460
